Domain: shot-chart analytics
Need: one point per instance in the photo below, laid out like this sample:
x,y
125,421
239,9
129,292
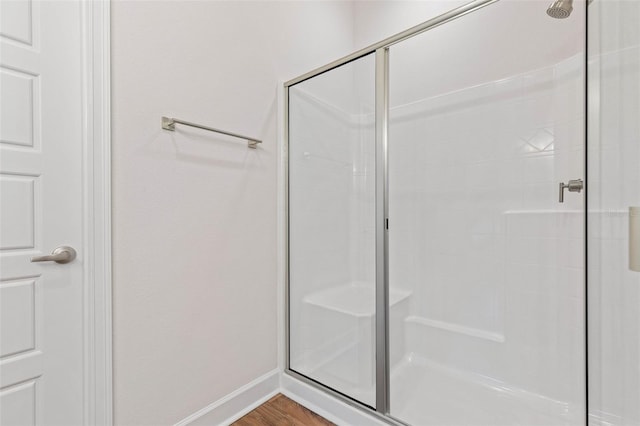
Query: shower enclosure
x,y
438,226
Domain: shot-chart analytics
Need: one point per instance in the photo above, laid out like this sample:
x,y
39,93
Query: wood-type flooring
x,y
280,410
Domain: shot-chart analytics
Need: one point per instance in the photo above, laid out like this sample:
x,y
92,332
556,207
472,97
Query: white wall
x,y
195,213
377,20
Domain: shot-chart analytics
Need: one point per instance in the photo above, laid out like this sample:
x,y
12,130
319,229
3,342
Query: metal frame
x,y
381,50
382,242
587,135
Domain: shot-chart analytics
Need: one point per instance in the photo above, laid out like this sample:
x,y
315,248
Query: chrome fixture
x,y
170,124
560,9
574,185
62,254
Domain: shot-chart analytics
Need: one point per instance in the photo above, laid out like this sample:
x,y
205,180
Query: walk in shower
x,y
439,225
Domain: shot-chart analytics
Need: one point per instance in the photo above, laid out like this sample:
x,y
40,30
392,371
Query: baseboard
x,y
238,403
326,405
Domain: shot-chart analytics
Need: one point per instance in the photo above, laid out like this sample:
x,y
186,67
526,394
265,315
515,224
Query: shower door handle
x,y
574,185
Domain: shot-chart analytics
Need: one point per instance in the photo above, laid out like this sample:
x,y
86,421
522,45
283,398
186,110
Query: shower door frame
x,y
382,370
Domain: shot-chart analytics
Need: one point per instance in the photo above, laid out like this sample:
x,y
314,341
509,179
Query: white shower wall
x,y
614,186
493,292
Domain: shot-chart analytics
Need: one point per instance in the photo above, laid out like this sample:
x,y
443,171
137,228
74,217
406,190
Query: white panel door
x,y
41,304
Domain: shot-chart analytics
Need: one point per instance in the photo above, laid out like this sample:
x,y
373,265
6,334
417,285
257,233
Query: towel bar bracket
x,y
168,124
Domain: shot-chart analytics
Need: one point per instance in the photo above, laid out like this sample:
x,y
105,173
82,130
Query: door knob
x,y
574,185
63,254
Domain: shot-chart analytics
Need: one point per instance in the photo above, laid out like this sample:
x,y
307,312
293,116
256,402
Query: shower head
x,y
560,9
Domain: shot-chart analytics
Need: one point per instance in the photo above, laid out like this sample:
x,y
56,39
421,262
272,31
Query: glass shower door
x,y
331,156
486,266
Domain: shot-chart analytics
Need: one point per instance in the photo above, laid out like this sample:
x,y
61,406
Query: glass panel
x,y
614,188
486,266
331,228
